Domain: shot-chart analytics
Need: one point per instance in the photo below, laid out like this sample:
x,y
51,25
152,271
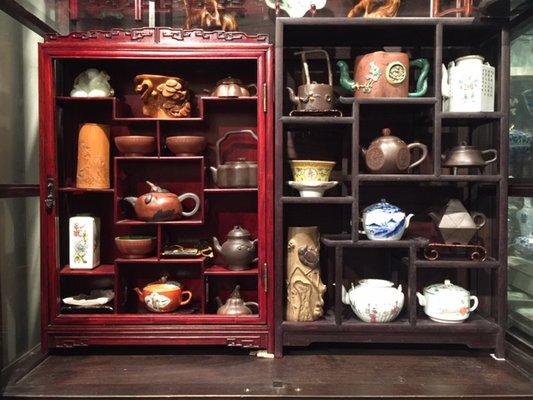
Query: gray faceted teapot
x,y
239,252
455,224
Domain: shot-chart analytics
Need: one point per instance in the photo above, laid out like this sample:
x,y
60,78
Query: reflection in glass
x,y
520,274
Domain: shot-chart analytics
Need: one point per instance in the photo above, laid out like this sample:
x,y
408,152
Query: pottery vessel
x,y
93,157
185,146
163,296
468,85
524,217
305,289
311,170
133,146
313,96
134,246
447,303
389,154
384,74
161,205
84,242
384,221
312,189
374,300
238,251
375,9
455,224
92,83
235,305
298,8
163,96
234,174
231,87
465,156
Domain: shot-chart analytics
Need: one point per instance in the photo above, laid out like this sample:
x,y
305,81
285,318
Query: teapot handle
x,y
482,219
251,86
422,82
422,147
476,303
490,151
306,78
189,297
252,303
196,199
226,135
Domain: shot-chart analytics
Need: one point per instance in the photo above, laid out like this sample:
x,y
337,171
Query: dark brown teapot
x,y
235,305
161,205
389,154
239,252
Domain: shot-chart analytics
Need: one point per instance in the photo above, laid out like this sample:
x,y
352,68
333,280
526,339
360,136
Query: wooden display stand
x,y
201,58
346,256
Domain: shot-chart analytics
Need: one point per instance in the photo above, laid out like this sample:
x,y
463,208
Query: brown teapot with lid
x,y
232,87
235,305
239,251
465,156
389,154
161,205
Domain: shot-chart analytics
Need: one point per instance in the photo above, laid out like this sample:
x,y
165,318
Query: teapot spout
x,y
345,296
214,173
139,293
131,199
446,91
345,80
217,245
408,220
421,299
293,96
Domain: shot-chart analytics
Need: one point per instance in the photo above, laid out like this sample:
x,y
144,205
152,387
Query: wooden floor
x,y
318,373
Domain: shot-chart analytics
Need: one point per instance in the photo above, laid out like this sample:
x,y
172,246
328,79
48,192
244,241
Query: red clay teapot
x,y
161,205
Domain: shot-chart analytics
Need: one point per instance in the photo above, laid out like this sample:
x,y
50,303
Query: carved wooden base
x,y
475,252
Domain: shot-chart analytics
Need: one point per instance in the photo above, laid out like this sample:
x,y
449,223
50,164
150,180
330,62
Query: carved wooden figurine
x,y
305,289
211,18
375,8
163,96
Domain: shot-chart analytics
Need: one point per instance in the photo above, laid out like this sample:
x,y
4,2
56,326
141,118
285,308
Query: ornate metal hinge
x,y
265,98
265,277
49,201
243,342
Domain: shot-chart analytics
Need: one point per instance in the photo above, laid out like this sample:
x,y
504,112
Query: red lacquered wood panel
x,y
202,58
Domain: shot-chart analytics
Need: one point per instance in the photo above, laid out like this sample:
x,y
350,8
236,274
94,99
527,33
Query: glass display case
x,y
520,227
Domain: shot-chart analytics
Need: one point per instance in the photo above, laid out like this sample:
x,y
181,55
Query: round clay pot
x,y
131,146
135,246
186,145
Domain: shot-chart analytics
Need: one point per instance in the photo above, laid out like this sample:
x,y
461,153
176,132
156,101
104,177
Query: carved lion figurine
x,y
163,96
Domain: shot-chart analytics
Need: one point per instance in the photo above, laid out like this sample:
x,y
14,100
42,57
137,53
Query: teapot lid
x,y
229,80
463,146
238,232
382,205
445,287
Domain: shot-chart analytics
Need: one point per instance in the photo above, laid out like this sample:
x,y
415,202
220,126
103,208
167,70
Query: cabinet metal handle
x,y
265,277
50,201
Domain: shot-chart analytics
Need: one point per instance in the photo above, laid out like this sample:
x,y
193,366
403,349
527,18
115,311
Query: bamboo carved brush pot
x,y
93,157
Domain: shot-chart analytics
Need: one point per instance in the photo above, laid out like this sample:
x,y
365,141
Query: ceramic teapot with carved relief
x,y
389,154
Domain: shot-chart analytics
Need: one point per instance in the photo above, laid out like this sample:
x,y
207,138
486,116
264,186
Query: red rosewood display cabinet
x,y
201,59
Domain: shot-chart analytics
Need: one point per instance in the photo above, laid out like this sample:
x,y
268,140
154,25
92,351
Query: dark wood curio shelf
x,y
123,54
347,256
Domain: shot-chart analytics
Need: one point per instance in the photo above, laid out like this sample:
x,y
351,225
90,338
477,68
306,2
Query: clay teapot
x,y
235,305
238,251
389,154
465,156
234,174
231,87
384,74
455,224
163,295
313,96
161,205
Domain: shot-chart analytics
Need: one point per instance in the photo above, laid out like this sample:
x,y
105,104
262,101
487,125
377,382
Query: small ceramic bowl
x,y
135,246
312,189
311,170
186,145
131,146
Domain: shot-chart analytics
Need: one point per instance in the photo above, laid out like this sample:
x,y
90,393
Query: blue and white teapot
x,y
384,221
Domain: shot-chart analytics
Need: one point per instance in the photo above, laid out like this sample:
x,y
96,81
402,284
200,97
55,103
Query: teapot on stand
x,y
239,251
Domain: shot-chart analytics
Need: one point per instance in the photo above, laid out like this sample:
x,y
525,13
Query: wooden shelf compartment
x,y
79,191
457,263
316,120
230,190
345,241
101,270
397,101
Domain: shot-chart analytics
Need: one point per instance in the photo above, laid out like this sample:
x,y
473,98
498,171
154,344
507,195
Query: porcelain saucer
x,y
312,189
